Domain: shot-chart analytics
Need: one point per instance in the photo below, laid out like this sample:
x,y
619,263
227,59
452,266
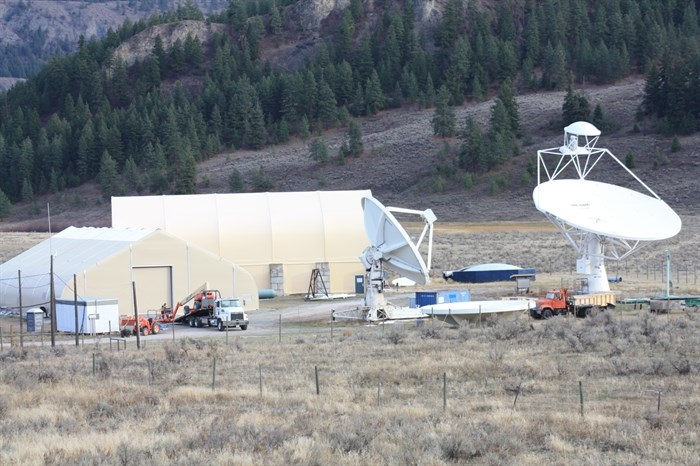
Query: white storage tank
x,y
95,315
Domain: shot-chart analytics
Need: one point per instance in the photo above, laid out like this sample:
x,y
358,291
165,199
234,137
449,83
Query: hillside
x,y
403,163
31,32
399,160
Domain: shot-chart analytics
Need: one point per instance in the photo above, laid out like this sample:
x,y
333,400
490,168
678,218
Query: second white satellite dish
x,y
391,243
391,248
607,209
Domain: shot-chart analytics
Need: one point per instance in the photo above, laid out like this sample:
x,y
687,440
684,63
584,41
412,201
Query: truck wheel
x,y
244,327
547,314
220,326
144,331
155,329
198,323
191,321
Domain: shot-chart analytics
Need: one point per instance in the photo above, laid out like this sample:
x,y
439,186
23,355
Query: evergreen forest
x,y
135,129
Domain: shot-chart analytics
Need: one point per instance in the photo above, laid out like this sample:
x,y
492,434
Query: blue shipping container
x,y
426,298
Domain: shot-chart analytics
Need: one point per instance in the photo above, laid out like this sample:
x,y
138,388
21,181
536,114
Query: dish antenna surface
x,y
391,249
600,220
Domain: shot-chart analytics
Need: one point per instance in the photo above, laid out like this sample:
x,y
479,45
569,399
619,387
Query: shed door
x,y
154,286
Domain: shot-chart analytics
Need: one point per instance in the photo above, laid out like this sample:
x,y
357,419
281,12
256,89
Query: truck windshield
x,y
550,295
230,303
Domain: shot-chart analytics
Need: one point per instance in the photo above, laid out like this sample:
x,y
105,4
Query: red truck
x,y
560,302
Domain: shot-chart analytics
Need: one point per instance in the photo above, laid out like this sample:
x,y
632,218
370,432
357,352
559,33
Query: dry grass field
x,y
619,388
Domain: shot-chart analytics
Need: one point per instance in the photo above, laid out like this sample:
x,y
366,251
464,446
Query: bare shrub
x,y
354,435
620,366
15,354
396,336
4,407
681,364
496,354
508,329
657,366
174,354
430,332
458,450
47,376
465,332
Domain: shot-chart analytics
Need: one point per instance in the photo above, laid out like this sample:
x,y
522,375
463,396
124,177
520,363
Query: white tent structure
x,y
104,262
280,238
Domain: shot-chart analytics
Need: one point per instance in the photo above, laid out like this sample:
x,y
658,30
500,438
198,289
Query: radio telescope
x,y
600,220
391,249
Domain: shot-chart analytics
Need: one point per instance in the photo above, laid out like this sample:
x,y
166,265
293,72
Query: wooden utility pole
x,y
75,302
21,332
137,330
52,307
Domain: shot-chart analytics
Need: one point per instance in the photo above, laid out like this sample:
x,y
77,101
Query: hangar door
x,y
154,286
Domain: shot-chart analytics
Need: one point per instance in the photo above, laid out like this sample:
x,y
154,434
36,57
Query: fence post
x,y
94,365
517,393
318,390
444,391
280,329
213,373
580,393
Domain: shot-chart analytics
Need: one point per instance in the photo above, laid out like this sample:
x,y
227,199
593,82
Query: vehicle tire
x,y
244,327
220,326
198,322
155,328
144,331
191,321
547,314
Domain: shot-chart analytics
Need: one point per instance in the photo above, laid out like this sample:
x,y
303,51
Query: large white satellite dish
x,y
391,248
599,220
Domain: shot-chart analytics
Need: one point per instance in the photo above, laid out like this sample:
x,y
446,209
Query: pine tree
x,y
132,177
108,177
27,191
472,151
507,96
185,171
258,133
327,107
355,145
275,20
5,205
318,150
235,181
374,97
575,108
444,117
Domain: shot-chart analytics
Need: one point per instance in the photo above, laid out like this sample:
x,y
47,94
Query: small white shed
x,y
95,315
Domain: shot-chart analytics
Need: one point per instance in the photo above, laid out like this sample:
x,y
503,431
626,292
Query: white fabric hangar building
x,y
279,238
104,262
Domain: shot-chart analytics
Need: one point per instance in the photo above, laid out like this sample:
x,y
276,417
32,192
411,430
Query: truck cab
x,y
229,312
553,303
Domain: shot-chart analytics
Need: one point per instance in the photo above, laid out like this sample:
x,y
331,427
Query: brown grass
x,y
380,401
381,387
